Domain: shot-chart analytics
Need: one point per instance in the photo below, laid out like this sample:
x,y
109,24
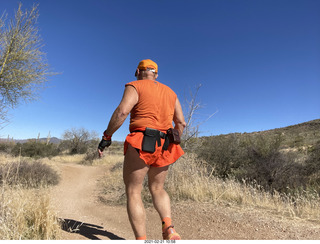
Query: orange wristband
x,y
106,137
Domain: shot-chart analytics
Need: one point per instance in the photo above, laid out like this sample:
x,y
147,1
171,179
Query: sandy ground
x,y
76,202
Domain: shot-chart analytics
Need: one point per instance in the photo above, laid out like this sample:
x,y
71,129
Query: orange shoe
x,y
170,234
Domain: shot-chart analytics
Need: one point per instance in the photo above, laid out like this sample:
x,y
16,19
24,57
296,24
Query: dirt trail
x,y
76,201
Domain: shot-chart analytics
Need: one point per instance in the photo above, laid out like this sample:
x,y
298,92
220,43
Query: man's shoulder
x,y
147,83
166,87
131,82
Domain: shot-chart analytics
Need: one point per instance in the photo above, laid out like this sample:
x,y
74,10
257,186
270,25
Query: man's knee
x,y
155,188
132,189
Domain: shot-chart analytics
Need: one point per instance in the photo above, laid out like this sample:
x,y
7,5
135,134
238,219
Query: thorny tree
x,y
78,140
23,67
191,109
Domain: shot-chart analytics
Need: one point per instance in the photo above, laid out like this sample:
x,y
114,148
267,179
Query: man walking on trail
x,y
151,146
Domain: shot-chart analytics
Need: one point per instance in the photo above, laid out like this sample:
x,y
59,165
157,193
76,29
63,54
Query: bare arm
x,y
178,118
129,99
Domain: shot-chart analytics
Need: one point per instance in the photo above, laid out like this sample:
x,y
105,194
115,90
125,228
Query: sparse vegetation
x,y
192,179
91,155
28,174
277,171
25,211
26,215
258,170
6,147
78,141
267,157
35,149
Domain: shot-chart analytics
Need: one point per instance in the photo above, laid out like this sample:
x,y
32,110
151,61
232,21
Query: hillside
x,y
283,159
307,133
303,134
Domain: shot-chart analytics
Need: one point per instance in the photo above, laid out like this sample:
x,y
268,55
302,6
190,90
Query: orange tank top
x,y
155,107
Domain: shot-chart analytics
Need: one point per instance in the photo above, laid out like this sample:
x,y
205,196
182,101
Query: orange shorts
x,y
159,158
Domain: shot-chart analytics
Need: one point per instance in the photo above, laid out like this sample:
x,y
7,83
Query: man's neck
x,y
145,78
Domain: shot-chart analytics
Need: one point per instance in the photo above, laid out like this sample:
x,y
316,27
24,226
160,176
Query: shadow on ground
x,y
89,231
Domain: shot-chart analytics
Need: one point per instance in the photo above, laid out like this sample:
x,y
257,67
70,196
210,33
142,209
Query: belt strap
x,y
162,135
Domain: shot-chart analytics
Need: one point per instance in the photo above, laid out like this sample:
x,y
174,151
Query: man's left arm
x,y
129,99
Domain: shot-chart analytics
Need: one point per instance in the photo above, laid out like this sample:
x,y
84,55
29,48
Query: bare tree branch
x,y
77,140
192,126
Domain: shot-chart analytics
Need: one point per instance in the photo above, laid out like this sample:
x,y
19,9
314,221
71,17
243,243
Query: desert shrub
x,y
312,167
35,149
116,148
28,174
277,172
90,156
296,141
272,168
224,153
78,141
313,161
6,147
256,158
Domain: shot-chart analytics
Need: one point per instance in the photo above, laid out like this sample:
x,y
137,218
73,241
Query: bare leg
x,y
134,171
161,201
160,198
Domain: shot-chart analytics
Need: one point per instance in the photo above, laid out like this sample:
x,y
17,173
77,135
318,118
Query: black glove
x,y
104,143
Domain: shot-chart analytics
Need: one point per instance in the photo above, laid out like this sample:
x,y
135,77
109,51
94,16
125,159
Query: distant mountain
x,y
53,140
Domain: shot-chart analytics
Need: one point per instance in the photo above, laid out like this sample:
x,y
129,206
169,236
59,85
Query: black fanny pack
x,y
152,137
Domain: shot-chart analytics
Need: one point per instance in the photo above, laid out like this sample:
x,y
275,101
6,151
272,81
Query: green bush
x,y
6,147
28,174
313,167
224,153
35,149
258,158
271,168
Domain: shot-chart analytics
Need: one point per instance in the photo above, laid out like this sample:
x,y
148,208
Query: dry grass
x,y
6,158
90,158
64,159
192,179
110,159
112,187
25,214
32,174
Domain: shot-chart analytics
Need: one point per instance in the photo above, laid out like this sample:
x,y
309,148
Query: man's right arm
x,y
178,118
129,99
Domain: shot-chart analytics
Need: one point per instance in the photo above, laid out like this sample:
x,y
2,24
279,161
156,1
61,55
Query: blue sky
x,y
258,61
